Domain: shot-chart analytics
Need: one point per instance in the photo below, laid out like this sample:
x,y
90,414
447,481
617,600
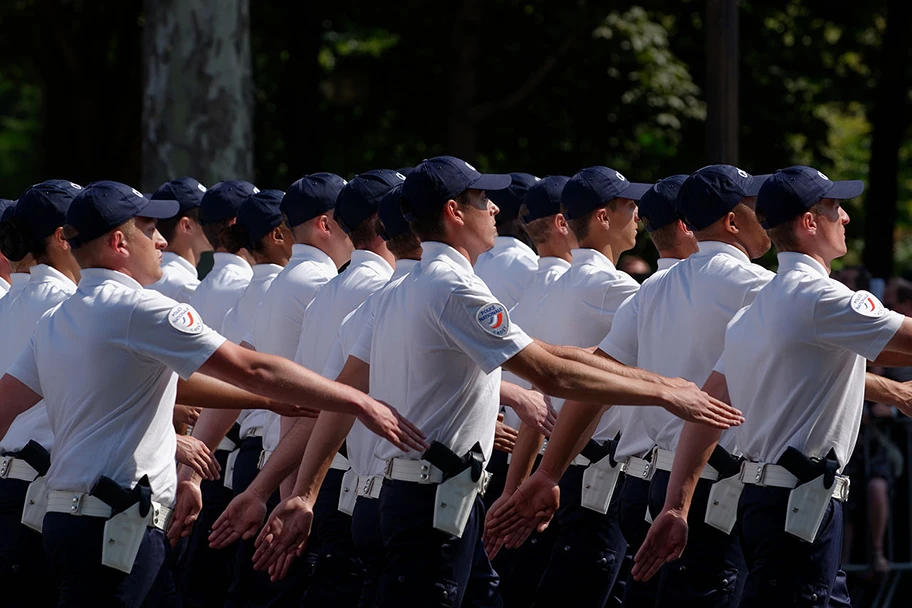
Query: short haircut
x,y
168,226
539,230
580,225
664,238
364,233
783,235
214,230
430,227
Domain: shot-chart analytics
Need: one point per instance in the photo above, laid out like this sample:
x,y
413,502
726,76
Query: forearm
x,y
528,444
510,393
600,360
328,434
213,425
285,459
575,425
889,392
695,446
207,392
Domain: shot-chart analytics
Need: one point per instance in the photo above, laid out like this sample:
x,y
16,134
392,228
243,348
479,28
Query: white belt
x,y
340,463
226,445
415,471
256,431
369,486
80,503
772,475
639,468
16,468
665,459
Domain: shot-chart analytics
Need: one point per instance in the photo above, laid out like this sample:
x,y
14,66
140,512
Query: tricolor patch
x,y
867,304
185,319
494,319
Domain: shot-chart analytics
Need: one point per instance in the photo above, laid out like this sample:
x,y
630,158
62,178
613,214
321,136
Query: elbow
x,y
550,384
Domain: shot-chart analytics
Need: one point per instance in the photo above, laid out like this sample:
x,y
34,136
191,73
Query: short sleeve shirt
x,y
220,290
507,269
240,318
179,278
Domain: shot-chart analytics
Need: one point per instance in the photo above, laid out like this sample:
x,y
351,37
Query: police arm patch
x,y
866,303
185,319
494,319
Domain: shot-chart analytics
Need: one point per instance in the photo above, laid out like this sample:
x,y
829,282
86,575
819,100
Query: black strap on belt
x,y
807,469
120,499
234,435
35,455
452,465
595,451
723,461
343,450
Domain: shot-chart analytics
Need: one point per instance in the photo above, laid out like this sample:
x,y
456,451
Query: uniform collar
x,y
710,248
592,258
92,277
665,263
4,285
791,260
502,243
169,257
369,259
403,267
434,250
266,270
223,260
549,262
309,253
19,279
42,273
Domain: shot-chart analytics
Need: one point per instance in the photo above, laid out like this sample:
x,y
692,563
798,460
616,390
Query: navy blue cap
x,y
103,206
405,170
260,214
311,196
360,197
658,207
710,193
185,190
595,187
38,213
511,198
544,198
790,192
390,213
437,180
7,207
222,201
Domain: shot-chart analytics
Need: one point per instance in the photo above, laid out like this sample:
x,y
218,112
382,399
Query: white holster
x,y
722,508
807,504
599,480
35,504
349,493
123,535
455,499
228,474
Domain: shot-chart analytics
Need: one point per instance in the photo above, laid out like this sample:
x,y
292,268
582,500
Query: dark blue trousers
x,y
73,546
22,562
711,571
369,546
785,570
424,566
587,553
634,500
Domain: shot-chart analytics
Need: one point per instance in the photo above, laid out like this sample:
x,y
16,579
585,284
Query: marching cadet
x,y
185,236
510,265
112,480
6,207
19,275
35,228
795,361
442,316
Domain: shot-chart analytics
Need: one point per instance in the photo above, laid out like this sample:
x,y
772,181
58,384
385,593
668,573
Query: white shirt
x,y
46,289
220,290
179,278
676,325
361,443
795,362
507,269
4,287
435,347
18,281
240,318
111,409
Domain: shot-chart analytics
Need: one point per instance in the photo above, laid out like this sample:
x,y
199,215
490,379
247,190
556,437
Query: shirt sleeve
x,y
481,327
622,341
171,333
616,293
25,368
335,361
361,347
855,321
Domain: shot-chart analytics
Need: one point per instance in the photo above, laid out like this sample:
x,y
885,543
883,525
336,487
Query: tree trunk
x,y
888,129
722,123
462,136
198,91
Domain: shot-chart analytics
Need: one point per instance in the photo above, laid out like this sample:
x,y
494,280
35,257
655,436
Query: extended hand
x,y
186,510
535,410
665,542
384,421
194,453
184,414
690,403
241,519
504,436
530,508
283,537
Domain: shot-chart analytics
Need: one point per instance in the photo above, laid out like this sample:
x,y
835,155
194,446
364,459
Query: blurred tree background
x,y
271,90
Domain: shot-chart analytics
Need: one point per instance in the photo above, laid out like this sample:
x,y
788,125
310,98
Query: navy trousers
x,y
587,553
369,546
22,562
634,500
424,566
73,546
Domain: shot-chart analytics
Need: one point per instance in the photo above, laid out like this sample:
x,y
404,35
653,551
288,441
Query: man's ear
x,y
560,223
453,212
185,225
731,223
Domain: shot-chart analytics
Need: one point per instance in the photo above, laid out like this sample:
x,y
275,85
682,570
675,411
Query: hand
x,y
186,510
194,453
535,410
665,542
493,543
530,508
293,411
283,537
504,436
241,519
693,405
184,414
384,421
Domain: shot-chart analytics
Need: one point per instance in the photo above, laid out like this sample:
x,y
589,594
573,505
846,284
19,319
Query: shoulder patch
x,y
867,304
185,319
494,319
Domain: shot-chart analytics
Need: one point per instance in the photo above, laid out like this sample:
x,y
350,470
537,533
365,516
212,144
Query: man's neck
x,y
185,252
550,250
607,248
378,247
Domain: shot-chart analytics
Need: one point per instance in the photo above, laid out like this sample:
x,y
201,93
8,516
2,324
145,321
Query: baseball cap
x,y
310,196
658,208
390,213
37,214
185,190
511,198
437,180
792,191
710,193
360,197
544,198
595,187
102,206
259,214
405,170
222,201
7,207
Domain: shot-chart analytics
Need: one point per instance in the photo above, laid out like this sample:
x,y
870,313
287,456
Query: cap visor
x,y
756,182
491,181
157,209
846,189
635,191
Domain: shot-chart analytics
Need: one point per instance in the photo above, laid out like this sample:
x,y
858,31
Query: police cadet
x,y
35,228
6,271
510,265
185,236
19,275
113,454
795,360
